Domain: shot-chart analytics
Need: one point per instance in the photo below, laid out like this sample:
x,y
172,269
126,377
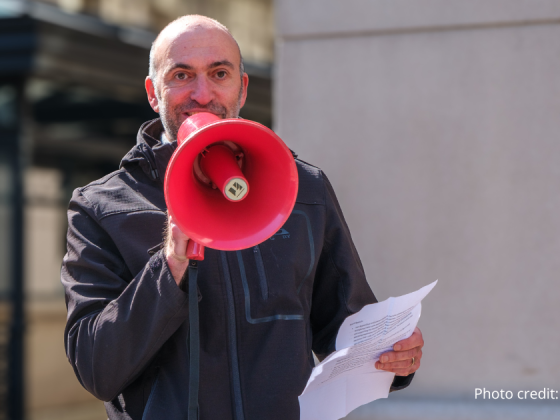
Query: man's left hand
x,y
405,359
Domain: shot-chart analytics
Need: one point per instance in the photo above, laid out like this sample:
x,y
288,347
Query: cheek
x,y
172,98
229,95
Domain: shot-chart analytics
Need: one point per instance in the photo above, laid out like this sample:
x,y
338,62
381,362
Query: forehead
x,y
197,45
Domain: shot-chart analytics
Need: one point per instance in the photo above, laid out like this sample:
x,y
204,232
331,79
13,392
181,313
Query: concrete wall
x,y
437,122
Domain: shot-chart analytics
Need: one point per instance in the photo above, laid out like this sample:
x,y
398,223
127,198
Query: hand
x,y
176,250
399,361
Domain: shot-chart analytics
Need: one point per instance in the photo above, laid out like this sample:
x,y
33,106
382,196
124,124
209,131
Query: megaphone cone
x,y
231,183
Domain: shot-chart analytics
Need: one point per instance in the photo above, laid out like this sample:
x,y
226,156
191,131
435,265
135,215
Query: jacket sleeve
x,y
116,323
340,287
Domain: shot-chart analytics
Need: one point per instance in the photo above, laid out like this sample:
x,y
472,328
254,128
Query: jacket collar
x,y
150,153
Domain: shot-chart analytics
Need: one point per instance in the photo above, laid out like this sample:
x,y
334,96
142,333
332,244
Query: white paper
x,y
348,378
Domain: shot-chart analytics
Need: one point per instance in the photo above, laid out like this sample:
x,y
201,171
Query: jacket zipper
x,y
262,274
151,163
232,338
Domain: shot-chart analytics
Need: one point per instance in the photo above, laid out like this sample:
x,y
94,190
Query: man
x,y
262,310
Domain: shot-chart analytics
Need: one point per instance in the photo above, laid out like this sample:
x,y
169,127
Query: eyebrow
x,y
215,64
226,63
181,66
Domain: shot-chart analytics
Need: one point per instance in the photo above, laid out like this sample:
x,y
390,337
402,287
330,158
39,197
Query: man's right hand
x,y
176,250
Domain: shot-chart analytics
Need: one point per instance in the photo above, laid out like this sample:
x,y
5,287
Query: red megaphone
x,y
231,183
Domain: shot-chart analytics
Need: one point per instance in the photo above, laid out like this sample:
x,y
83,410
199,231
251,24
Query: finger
x,y
178,241
415,340
401,371
401,364
404,364
175,231
395,356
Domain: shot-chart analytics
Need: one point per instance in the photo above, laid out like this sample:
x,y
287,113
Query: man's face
x,y
197,71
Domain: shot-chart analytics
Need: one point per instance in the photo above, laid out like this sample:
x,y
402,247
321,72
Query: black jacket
x,y
262,310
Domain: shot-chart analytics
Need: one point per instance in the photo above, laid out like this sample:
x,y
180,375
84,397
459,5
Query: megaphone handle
x,y
195,251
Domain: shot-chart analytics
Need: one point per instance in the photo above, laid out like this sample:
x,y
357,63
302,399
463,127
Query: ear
x,y
152,98
245,83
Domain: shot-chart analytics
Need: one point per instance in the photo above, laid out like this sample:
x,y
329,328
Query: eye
x,y
181,76
221,74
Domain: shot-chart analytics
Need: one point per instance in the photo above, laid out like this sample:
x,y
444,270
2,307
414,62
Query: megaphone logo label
x,y
236,189
282,232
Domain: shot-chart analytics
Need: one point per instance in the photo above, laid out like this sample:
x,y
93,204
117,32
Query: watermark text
x,y
543,394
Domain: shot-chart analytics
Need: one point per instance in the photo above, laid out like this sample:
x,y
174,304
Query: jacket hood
x,y
150,153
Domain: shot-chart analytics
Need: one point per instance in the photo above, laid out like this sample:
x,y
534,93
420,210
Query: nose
x,y
202,92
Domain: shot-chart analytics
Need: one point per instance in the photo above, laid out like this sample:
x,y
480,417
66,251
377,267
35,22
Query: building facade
x,y
437,122
71,101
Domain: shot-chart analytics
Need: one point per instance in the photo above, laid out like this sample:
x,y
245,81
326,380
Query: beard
x,y
172,118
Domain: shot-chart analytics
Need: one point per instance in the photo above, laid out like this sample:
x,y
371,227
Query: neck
x,y
164,139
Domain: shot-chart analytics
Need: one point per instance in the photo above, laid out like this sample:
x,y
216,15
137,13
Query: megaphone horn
x,y
230,184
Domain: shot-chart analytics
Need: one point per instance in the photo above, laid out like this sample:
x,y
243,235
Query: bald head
x,y
188,26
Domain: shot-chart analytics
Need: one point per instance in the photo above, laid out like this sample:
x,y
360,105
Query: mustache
x,y
211,106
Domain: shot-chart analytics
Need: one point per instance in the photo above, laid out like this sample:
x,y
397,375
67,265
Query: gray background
x,y
437,122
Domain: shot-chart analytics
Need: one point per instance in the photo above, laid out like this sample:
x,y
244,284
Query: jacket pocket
x,y
273,276
254,310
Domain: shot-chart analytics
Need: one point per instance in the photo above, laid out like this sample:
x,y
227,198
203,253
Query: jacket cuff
x,y
178,291
401,382
167,286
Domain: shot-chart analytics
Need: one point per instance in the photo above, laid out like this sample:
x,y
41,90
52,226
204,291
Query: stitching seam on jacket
x,y
136,210
93,206
311,248
103,180
342,282
261,271
324,187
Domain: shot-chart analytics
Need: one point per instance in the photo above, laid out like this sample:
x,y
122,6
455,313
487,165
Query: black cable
x,y
194,341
